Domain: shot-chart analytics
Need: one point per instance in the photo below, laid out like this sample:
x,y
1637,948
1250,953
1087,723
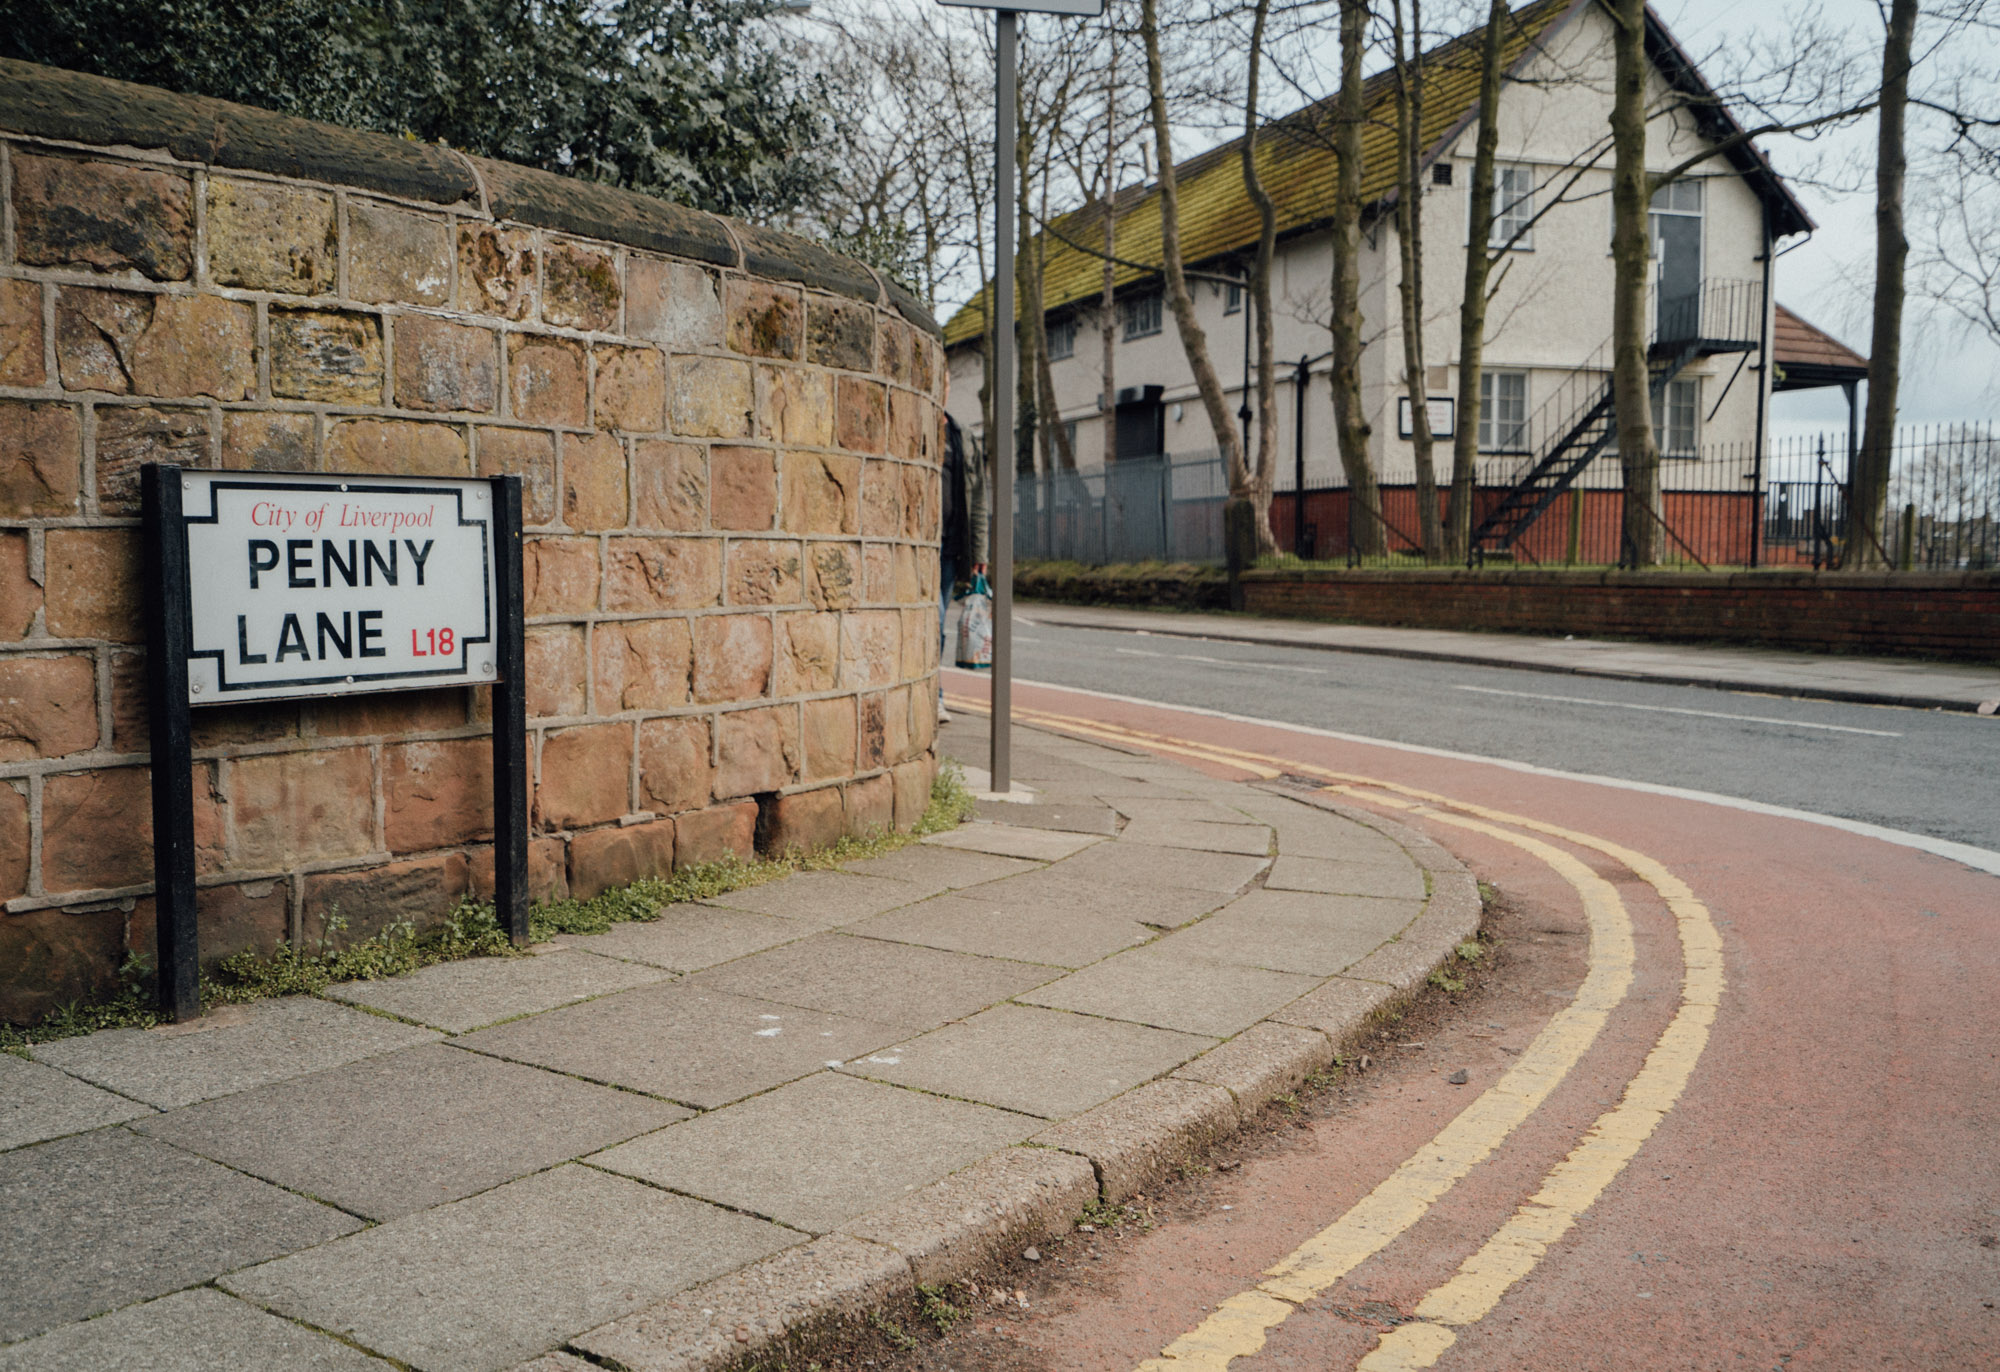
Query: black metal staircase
x,y
1580,421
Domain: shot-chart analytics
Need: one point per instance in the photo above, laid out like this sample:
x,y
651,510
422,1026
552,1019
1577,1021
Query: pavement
x,y
669,1145
1811,676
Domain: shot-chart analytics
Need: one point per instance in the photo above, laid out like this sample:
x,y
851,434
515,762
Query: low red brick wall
x,y
728,439
1920,615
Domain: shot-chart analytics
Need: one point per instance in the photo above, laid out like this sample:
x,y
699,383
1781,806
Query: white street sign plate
x,y
1086,9
328,585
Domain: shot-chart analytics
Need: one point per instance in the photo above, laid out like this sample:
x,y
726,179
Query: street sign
x,y
317,585
1083,9
1441,410
272,586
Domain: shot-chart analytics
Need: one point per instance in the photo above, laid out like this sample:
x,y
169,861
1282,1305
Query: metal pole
x,y
164,540
1001,442
1299,549
510,718
1764,382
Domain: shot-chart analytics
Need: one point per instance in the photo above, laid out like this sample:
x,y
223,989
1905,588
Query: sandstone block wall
x,y
728,440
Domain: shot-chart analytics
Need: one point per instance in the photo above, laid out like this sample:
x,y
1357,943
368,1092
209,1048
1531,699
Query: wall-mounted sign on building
x,y
304,586
278,586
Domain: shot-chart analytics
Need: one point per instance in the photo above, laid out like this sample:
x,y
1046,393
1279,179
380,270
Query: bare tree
x,y
1868,490
1408,54
1194,341
1472,309
1631,261
1263,475
1351,422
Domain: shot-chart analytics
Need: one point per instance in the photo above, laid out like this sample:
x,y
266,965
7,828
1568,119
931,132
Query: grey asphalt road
x,y
1924,771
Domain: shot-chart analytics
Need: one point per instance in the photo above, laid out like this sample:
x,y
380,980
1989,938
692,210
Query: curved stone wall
x,y
728,439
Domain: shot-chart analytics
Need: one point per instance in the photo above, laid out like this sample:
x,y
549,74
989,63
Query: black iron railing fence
x,y
1720,507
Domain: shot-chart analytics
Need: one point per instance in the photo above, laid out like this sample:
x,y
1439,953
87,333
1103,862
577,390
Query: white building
x,y
1549,324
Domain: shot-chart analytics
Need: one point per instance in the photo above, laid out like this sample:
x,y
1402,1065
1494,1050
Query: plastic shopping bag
x,y
975,627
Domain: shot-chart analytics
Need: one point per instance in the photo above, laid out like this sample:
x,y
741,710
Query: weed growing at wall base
x,y
472,931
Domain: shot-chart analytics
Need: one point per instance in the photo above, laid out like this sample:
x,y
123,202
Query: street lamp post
x,y
1000,443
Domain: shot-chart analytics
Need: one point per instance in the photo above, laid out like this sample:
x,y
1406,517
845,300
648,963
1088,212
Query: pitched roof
x,y
1297,164
1809,357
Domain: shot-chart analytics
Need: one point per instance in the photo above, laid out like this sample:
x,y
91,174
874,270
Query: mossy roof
x,y
1296,161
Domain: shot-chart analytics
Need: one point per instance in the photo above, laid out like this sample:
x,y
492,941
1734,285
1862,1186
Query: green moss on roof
x,y
1296,160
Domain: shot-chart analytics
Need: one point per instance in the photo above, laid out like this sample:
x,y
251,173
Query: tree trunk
x,y
1868,493
1365,512
1472,310
1410,235
1028,315
1631,196
1057,455
1194,342
1263,476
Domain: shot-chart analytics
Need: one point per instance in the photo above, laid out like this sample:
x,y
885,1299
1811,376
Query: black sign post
x,y
165,565
510,719
493,608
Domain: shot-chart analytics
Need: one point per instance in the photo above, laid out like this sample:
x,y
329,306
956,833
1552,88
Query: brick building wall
x,y
728,440
1953,616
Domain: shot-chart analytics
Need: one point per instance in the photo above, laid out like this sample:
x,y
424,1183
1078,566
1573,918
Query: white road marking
x,y
1679,710
1979,859
1224,661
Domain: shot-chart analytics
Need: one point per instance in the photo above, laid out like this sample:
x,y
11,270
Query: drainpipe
x,y
1299,459
1763,389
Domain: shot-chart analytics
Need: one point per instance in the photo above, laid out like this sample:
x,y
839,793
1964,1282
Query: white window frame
x,y
1513,206
1677,421
1142,315
1065,330
1232,297
1516,428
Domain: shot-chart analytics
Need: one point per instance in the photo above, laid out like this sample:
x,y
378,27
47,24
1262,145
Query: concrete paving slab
x,y
1072,816
1264,1061
1294,931
904,984
1339,1009
687,1043
1333,876
190,1331
820,1151
822,899
721,1323
229,1049
983,1213
37,1102
1253,840
1180,808
1147,1134
1039,1062
1006,840
483,1283
459,997
409,1130
1114,864
1164,987
937,870
1056,888
97,1221
687,938
1058,937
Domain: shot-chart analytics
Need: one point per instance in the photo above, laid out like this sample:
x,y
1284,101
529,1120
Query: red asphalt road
x,y
1825,1195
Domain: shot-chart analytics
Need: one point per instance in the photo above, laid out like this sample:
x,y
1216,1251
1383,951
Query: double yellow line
x,y
1238,1326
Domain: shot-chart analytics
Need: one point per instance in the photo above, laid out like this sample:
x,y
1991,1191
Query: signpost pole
x,y
164,549
510,718
1000,443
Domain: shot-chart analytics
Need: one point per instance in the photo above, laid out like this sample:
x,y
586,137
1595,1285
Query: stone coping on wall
x,y
97,112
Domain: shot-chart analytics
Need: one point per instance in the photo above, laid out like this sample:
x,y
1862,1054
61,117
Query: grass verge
x,y
471,931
